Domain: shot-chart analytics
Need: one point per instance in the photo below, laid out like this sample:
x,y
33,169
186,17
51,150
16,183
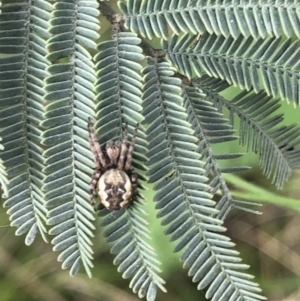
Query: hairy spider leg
x,y
123,149
95,178
134,178
131,148
99,157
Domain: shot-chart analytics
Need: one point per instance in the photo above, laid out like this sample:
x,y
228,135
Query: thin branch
x,y
107,11
114,17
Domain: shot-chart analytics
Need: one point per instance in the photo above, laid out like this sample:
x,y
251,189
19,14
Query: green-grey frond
x,y
183,197
118,86
118,93
51,86
241,62
68,158
127,229
210,128
23,68
119,101
260,131
228,18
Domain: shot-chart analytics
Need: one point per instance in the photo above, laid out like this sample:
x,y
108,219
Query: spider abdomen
x,y
114,189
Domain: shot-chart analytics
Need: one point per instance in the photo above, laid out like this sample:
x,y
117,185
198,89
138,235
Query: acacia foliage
x,y
51,85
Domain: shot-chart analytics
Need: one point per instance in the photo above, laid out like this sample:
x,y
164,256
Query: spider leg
x,y
131,148
95,178
134,179
123,149
99,157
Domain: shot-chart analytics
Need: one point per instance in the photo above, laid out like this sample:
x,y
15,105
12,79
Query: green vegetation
x,y
56,73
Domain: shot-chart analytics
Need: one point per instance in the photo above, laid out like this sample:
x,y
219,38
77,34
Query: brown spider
x,y
114,179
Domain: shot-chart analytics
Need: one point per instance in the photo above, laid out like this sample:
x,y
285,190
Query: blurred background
x,y
269,243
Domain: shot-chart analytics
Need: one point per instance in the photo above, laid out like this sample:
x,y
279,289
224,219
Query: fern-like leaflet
x,y
262,134
210,128
230,18
21,112
240,62
183,197
118,101
70,103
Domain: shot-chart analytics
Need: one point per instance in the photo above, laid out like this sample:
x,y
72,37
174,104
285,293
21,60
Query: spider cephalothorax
x,y
114,178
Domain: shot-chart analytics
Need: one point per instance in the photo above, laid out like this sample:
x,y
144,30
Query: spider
x,y
114,179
